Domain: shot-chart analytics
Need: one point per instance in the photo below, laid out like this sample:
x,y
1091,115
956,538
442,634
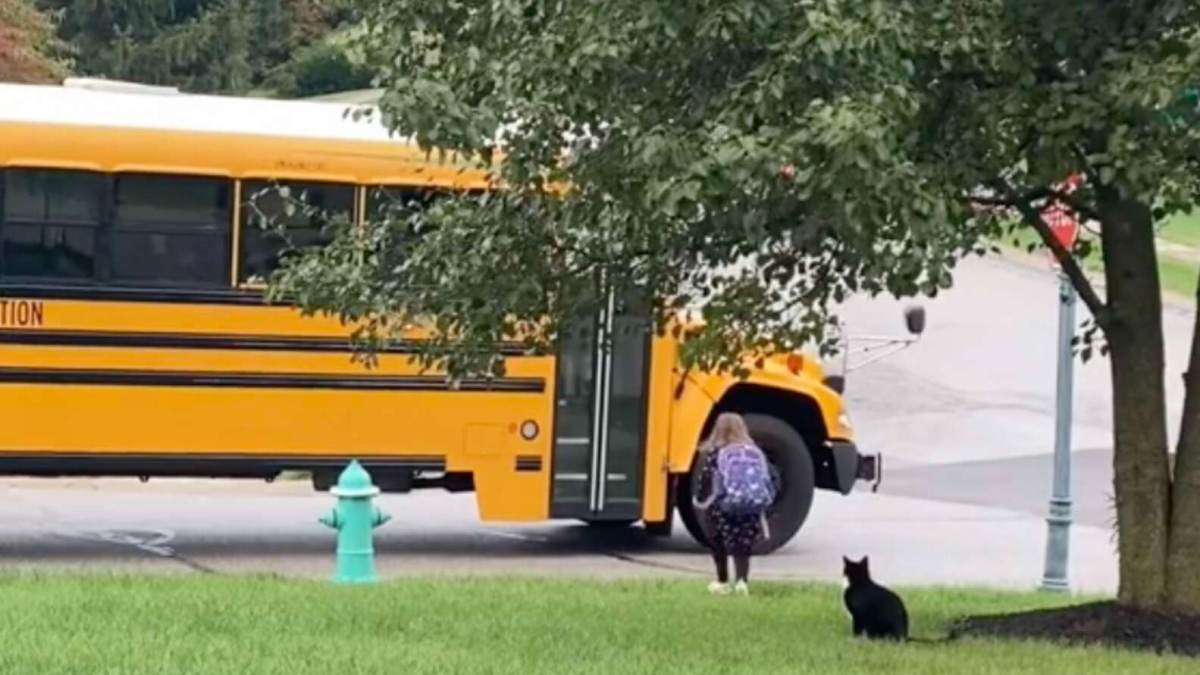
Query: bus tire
x,y
795,482
663,529
693,518
323,480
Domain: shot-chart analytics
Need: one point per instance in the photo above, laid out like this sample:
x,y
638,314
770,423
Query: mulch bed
x,y
1105,623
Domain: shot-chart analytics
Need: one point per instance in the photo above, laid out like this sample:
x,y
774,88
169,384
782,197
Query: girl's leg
x,y
720,557
722,562
743,542
741,567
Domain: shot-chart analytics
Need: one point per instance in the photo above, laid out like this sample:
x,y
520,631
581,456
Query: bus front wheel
x,y
795,484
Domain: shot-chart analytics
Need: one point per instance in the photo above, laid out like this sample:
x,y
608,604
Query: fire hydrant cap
x,y
354,482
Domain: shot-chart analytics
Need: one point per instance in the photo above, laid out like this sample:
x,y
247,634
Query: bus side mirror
x,y
836,383
914,319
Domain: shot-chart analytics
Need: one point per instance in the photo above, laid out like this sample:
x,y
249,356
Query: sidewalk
x,y
910,541
920,542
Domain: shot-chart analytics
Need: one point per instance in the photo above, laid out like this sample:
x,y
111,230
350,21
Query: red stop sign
x,y
1062,222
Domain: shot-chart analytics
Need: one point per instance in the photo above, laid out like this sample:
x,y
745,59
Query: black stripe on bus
x,y
164,378
198,464
148,340
532,463
189,296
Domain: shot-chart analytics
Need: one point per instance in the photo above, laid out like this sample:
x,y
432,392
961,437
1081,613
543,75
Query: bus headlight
x,y
529,430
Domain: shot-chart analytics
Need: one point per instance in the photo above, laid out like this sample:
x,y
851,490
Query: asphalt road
x,y
967,414
964,419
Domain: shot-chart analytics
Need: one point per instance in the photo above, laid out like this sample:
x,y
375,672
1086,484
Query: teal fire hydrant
x,y
354,518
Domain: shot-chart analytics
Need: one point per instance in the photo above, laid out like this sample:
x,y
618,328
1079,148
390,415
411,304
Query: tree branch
x,y
1024,203
1010,201
1078,207
1100,311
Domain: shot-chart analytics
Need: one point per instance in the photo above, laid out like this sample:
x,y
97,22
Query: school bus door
x,y
601,410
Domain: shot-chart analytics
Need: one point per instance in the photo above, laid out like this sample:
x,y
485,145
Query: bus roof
x,y
97,103
101,125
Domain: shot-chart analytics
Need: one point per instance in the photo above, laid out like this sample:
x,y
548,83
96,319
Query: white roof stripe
x,y
133,109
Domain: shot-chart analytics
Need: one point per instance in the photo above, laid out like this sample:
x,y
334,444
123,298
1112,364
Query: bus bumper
x,y
852,466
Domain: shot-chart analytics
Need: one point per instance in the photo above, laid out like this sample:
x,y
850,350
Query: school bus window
x,y
171,229
188,201
60,197
51,220
303,209
391,200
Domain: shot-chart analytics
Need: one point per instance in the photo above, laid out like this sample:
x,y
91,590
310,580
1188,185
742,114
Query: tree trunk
x,y
1135,339
1183,552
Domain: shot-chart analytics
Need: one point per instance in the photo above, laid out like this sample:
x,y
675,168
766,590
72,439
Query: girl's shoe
x,y
718,588
741,588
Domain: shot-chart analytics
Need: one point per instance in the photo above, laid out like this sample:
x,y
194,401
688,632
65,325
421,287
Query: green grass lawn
x,y
1183,229
261,626
1177,275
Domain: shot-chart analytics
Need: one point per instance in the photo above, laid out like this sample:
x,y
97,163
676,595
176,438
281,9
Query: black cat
x,y
876,611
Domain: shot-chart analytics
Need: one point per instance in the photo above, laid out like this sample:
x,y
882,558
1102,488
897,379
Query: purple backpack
x,y
743,480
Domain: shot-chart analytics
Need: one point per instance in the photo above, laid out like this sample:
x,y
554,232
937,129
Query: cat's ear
x,y
846,560
864,561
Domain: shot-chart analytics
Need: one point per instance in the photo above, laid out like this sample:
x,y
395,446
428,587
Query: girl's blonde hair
x,y
729,428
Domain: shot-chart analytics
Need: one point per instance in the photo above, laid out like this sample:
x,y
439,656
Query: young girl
x,y
727,534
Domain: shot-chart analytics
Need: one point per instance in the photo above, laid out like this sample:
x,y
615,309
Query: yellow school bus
x,y
134,340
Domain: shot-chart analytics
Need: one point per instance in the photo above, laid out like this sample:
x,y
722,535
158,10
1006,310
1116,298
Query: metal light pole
x,y
1058,542
1065,228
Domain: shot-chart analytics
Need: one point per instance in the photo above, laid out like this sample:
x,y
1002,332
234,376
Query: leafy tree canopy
x,y
765,157
233,46
29,51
